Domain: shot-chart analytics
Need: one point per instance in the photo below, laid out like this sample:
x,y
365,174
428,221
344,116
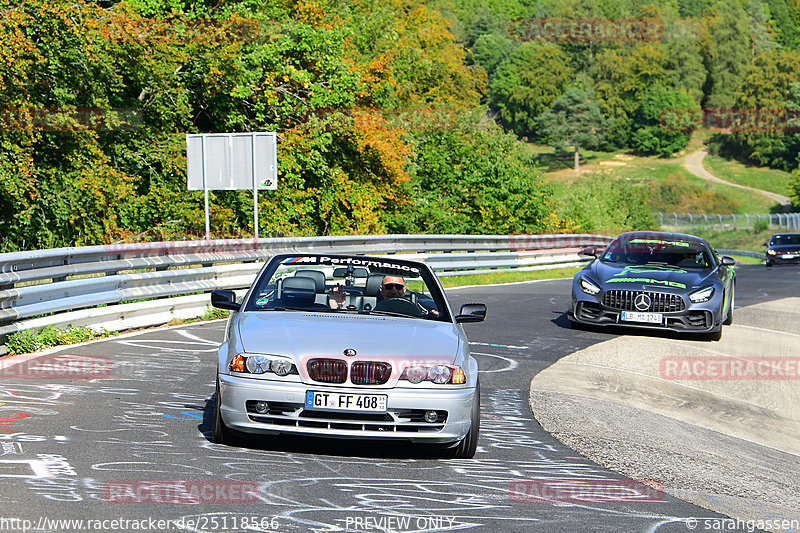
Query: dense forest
x,y
398,116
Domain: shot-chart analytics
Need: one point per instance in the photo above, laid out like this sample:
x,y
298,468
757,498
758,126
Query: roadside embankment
x,y
718,423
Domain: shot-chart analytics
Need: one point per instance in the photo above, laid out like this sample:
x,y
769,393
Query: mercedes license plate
x,y
650,318
374,403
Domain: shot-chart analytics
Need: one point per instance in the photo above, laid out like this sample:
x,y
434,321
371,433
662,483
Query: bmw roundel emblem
x,y
349,352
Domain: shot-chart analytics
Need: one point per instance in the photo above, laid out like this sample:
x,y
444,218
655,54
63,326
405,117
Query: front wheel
x,y
469,444
729,318
222,433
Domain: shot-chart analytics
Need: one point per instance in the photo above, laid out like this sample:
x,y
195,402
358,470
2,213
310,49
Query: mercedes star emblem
x,y
642,302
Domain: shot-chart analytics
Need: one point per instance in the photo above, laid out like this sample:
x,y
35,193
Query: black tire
x,y
222,434
729,318
469,444
769,264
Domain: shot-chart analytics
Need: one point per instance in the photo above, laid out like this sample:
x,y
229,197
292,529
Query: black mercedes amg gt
x,y
656,280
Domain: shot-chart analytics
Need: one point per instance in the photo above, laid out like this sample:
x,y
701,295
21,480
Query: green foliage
x,y
574,121
676,194
608,204
490,50
470,177
794,187
212,313
771,86
29,341
728,52
659,117
527,83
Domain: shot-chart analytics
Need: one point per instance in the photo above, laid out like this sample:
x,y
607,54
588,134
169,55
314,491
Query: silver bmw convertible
x,y
349,347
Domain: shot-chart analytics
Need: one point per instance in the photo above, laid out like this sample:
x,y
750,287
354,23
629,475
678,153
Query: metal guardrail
x,y
99,286
742,253
787,221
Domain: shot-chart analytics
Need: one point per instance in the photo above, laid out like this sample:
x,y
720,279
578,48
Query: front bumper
x,y
692,318
287,412
779,259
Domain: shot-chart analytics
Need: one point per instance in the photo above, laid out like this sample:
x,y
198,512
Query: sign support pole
x,y
205,190
255,188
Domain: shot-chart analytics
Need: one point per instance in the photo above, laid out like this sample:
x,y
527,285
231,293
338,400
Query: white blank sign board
x,y
227,161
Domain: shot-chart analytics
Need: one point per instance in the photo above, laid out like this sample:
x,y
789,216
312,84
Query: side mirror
x,y
728,261
224,299
591,251
471,313
765,244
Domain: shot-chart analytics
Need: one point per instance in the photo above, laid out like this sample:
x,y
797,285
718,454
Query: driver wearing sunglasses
x,y
393,287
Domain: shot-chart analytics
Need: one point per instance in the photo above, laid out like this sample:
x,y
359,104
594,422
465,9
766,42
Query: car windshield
x,y
781,240
348,284
648,251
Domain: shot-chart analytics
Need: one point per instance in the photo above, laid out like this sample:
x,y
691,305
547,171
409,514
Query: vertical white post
x,y
205,187
255,187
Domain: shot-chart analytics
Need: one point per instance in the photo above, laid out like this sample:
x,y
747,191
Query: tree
x,y
728,52
490,49
620,79
574,120
527,83
767,92
664,120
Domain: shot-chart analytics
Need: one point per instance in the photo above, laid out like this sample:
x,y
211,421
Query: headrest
x,y
373,284
298,287
316,275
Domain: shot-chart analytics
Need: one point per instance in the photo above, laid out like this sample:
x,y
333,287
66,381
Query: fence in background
x,y
126,286
782,221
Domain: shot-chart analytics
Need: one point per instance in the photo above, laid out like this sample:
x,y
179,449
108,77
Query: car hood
x,y
649,277
299,335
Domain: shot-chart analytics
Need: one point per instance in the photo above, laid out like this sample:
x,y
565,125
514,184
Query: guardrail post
x,y
676,220
705,221
747,218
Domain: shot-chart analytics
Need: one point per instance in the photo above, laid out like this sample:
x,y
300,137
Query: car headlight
x,y
771,252
702,295
439,374
588,286
260,364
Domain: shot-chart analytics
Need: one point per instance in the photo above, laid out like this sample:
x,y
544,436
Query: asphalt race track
x,y
78,449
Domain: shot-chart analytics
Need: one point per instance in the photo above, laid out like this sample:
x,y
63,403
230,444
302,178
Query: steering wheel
x,y
401,306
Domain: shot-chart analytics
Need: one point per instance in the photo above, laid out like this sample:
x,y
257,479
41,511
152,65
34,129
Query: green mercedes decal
x,y
649,269
656,241
648,280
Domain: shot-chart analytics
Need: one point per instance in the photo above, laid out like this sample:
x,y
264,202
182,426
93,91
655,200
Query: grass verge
x,y
509,276
767,179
